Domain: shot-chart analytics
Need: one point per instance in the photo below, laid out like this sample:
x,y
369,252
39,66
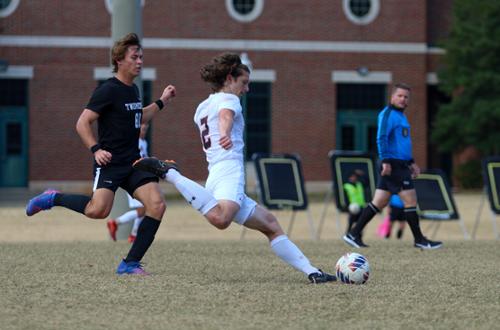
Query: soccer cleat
x,y
427,244
112,228
131,268
321,277
155,166
131,238
354,241
44,201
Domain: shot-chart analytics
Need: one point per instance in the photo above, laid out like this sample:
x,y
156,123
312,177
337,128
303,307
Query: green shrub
x,y
469,174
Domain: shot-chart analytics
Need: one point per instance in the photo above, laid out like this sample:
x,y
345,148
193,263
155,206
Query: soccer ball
x,y
354,208
353,268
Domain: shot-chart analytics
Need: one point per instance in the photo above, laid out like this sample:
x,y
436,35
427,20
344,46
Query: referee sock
x,y
414,223
365,217
145,237
196,195
76,203
287,251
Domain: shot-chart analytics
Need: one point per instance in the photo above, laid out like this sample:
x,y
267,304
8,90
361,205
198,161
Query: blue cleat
x,y
42,202
131,268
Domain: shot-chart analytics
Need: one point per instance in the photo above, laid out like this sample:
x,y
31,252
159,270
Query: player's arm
x,y
84,129
415,170
148,112
226,119
384,130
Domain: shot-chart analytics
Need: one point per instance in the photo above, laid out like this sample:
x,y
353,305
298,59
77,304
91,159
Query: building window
x,y
14,92
361,96
361,12
244,10
7,7
257,107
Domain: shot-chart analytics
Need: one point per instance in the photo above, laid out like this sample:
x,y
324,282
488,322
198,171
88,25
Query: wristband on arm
x,y
159,103
95,147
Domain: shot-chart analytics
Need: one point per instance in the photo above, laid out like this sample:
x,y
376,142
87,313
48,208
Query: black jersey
x,y
120,112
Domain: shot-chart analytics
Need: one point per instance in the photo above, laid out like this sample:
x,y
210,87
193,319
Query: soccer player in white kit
x,y
221,124
137,211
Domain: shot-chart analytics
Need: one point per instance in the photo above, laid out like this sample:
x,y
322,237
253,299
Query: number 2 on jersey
x,y
205,137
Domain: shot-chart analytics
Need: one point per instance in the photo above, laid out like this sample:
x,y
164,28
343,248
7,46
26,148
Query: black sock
x,y
145,236
413,222
365,217
352,219
76,203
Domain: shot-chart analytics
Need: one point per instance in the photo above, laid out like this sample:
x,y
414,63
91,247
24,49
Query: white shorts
x,y
226,181
133,203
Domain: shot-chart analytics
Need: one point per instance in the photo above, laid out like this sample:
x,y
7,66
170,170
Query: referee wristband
x,y
159,103
95,147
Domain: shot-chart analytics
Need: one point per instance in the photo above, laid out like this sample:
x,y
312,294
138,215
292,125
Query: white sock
x,y
126,217
137,223
196,195
291,254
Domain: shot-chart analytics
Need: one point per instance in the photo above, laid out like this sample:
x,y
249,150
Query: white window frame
x,y
105,72
340,76
368,18
18,72
11,7
251,16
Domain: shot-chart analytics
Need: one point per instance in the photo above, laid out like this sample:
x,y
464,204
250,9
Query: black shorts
x,y
400,178
126,177
397,214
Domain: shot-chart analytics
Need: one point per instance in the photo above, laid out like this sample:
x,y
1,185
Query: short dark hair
x,y
400,86
120,48
215,72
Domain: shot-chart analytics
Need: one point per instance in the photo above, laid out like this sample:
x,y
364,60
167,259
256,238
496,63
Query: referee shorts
x,y
400,178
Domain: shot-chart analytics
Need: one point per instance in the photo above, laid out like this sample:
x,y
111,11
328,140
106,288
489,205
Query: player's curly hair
x,y
120,48
215,72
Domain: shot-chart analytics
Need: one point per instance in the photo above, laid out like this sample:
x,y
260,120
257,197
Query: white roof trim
x,y
18,72
225,44
263,75
354,77
101,73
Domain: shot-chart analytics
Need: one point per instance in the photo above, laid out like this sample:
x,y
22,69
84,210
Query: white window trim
x,y
368,18
109,5
10,8
263,76
251,16
226,44
340,76
18,72
104,72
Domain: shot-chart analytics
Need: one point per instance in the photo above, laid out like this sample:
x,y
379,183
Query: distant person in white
x,y
221,124
138,210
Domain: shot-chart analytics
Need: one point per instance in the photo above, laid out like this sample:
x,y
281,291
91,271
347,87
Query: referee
x,y
398,171
116,106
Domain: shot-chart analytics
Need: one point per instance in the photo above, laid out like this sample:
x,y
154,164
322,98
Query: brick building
x,y
321,72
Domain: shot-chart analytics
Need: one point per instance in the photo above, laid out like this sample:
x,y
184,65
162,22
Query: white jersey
x,y
207,120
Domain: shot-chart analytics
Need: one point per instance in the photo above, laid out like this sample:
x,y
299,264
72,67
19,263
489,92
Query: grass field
x,y
57,272
241,285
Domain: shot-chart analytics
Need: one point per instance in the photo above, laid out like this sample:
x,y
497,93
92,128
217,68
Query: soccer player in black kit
x,y
116,106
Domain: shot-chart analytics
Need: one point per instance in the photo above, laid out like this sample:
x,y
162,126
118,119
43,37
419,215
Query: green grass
x,y
242,285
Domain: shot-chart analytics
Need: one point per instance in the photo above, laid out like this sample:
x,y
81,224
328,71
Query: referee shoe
x,y
155,166
427,244
354,241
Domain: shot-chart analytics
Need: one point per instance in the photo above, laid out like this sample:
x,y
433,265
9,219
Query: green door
x,y
13,147
357,130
